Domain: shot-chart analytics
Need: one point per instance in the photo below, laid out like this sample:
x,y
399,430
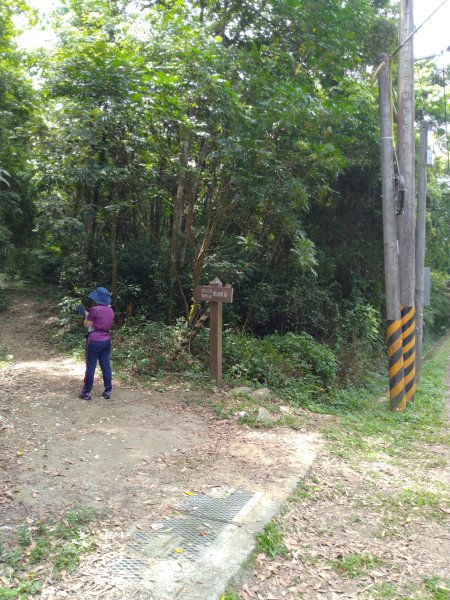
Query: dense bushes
x,y
437,315
148,348
295,365
277,359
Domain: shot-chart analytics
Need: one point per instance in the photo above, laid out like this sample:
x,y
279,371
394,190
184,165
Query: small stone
x,y
241,391
261,394
263,416
285,409
241,414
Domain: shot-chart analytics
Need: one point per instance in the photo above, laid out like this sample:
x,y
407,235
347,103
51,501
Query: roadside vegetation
x,y
381,486
157,146
42,551
335,377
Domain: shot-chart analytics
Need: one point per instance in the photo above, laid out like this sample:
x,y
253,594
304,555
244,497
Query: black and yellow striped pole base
x,y
409,351
395,356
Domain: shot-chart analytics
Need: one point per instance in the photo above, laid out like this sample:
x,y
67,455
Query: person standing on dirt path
x,y
98,322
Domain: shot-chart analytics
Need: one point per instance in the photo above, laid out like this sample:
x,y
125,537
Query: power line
x,y
417,29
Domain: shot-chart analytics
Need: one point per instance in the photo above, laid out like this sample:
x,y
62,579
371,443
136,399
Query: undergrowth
x,y
372,429
269,541
4,300
43,550
298,369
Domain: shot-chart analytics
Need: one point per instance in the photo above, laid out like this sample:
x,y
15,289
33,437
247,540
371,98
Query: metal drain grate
x,y
128,568
202,519
223,508
178,537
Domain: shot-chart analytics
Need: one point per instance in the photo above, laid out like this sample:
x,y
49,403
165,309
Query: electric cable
x,y
399,180
417,29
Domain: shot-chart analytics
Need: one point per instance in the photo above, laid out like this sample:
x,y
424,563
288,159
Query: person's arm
x,y
88,322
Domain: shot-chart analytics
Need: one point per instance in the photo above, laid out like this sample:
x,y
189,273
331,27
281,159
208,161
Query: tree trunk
x,y
193,192
114,221
177,217
89,223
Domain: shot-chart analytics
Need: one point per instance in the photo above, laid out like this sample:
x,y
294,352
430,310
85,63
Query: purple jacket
x,y
102,318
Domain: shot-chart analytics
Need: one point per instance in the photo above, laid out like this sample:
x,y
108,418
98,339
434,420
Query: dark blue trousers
x,y
101,351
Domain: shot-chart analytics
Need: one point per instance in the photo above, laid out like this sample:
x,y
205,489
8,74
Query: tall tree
x,y
17,122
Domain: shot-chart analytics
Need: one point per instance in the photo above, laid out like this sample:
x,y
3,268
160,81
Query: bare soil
x,y
137,455
133,457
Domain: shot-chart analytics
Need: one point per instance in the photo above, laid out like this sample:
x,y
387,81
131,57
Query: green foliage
x,y
141,165
18,120
303,491
359,338
23,536
276,359
170,145
21,591
437,316
4,301
147,348
229,595
270,541
42,547
356,565
385,591
438,588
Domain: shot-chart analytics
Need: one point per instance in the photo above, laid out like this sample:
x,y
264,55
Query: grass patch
x,y
421,498
269,541
291,421
356,565
229,595
5,358
385,591
439,589
373,431
23,590
411,502
43,550
304,492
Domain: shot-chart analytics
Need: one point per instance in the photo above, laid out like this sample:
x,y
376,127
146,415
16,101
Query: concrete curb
x,y
206,575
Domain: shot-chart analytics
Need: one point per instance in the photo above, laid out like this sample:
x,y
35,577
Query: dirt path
x,y
133,457
135,449
373,528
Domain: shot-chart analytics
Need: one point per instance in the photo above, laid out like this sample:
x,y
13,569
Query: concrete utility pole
x,y
420,242
391,268
405,220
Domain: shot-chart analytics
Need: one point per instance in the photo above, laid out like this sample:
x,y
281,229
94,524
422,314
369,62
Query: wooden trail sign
x,y
216,294
213,293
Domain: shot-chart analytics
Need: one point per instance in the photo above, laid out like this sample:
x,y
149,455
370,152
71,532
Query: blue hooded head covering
x,y
101,296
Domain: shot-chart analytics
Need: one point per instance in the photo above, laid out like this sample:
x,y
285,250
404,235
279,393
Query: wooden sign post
x,y
216,294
